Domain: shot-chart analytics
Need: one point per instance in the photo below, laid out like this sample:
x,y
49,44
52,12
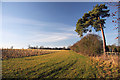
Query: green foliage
x,y
88,45
91,18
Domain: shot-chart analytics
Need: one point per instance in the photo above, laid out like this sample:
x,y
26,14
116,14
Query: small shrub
x,y
90,45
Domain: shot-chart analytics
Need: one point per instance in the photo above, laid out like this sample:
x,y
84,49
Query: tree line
x,y
112,48
49,48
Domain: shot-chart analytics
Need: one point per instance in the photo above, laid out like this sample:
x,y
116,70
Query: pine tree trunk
x,y
103,36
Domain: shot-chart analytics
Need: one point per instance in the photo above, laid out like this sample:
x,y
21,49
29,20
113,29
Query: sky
x,y
49,24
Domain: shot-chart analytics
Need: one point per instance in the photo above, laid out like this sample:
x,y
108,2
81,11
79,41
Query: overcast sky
x,y
49,24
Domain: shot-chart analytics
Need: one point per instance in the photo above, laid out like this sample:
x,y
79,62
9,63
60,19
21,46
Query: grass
x,y
61,64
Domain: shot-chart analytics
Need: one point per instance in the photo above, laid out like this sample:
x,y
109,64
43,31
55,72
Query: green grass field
x,y
61,64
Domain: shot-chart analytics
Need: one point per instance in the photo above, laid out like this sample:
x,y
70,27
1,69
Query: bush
x,y
90,45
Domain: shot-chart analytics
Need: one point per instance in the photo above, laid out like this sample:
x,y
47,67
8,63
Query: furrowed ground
x,y
61,64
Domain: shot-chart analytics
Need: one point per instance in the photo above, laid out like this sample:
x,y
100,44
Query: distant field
x,y
17,53
60,64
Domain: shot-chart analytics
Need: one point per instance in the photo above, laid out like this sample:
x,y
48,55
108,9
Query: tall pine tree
x,y
96,19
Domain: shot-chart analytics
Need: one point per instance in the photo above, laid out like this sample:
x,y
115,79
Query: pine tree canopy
x,y
93,18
